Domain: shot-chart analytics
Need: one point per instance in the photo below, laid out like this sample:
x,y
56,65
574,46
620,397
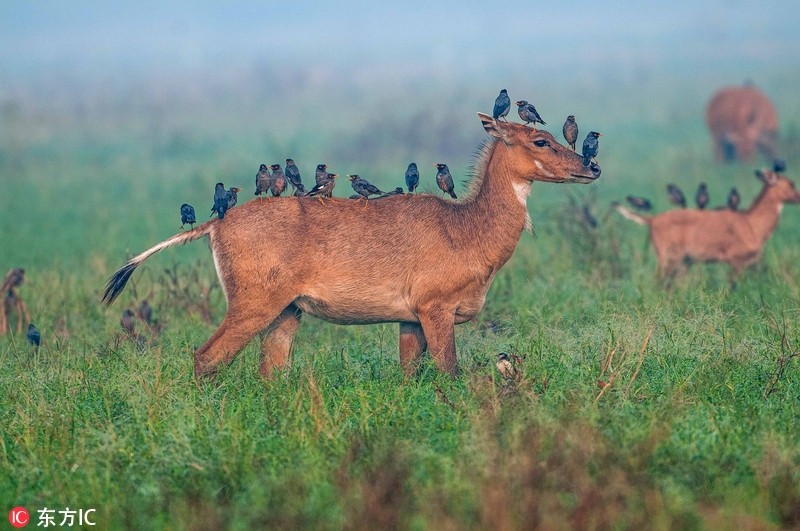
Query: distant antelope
x,y
735,237
421,261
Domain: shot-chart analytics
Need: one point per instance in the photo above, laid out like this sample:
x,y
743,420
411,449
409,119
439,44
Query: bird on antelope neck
x,y
590,147
188,215
570,131
639,203
701,197
262,180
676,196
501,105
220,201
277,181
363,187
412,177
293,175
34,336
324,189
733,199
445,180
232,196
528,113
322,174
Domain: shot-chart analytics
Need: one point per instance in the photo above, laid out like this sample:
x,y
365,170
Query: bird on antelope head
x,y
528,113
570,131
591,145
501,105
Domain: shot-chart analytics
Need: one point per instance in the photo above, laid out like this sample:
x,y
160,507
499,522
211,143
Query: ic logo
x,y
19,517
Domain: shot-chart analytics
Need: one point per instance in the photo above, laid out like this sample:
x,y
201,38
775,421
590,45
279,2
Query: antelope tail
x,y
633,216
118,280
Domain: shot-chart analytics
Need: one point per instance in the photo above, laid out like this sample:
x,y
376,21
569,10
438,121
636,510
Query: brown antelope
x,y
735,237
421,261
742,120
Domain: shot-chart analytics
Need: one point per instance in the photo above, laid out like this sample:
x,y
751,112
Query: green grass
x,y
696,429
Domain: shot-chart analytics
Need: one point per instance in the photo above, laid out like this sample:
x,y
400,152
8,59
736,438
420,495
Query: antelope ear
x,y
491,125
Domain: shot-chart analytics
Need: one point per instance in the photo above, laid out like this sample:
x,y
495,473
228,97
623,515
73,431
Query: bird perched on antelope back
x,y
363,187
325,188
262,180
412,177
322,174
501,105
639,203
445,180
220,201
590,147
570,131
187,215
701,197
293,176
277,181
676,196
733,199
528,113
232,196
34,336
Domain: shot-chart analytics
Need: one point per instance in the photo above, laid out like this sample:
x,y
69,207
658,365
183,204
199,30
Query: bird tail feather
x,y
629,214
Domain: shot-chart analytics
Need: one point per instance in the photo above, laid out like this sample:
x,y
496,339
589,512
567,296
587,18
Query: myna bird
x,y
445,180
220,201
293,176
126,322
187,215
507,365
779,165
733,199
528,113
322,175
34,336
701,197
363,187
232,197
146,312
501,105
570,131
324,189
639,203
412,177
262,180
277,181
676,196
590,146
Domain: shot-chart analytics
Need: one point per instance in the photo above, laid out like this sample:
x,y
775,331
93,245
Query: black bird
x,y
146,312
187,215
639,203
277,181
701,197
293,176
779,165
126,322
445,180
220,201
501,105
232,197
34,336
322,174
590,146
412,177
570,131
676,196
325,188
528,113
733,199
363,187
588,218
262,180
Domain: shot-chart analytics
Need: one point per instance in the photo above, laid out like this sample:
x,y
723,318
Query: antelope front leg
x,y
276,344
438,325
412,345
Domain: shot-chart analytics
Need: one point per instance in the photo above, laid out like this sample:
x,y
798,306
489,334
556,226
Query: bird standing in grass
x,y
570,131
322,174
501,105
733,199
528,113
293,176
639,203
701,197
324,189
590,147
363,187
277,181
412,177
220,201
126,322
34,336
232,196
445,180
676,196
507,365
262,180
146,312
187,215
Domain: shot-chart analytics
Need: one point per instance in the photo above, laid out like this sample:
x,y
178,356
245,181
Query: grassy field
x,y
637,408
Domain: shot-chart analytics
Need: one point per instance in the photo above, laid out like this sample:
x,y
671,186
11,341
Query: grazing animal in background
x,y
507,366
34,336
501,105
127,323
232,196
262,180
736,238
322,174
676,196
188,215
528,113
425,263
220,201
412,178
12,301
779,165
639,203
324,189
570,131
742,120
701,197
734,199
591,145
293,175
277,181
444,180
363,187
146,312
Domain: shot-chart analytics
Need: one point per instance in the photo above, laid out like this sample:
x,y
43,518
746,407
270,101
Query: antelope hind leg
x,y
439,328
412,345
276,343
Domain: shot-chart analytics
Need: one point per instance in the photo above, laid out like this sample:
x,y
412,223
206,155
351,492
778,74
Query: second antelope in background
x,y
734,237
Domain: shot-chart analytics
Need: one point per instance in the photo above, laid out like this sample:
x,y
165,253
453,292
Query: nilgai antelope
x,y
742,120
420,261
735,237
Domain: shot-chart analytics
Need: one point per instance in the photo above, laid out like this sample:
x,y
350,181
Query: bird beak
x,y
517,103
599,134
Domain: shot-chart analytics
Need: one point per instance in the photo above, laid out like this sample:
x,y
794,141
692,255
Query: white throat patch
x,y
523,190
544,172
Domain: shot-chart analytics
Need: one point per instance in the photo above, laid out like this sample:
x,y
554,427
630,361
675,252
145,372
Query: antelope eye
x,y
540,143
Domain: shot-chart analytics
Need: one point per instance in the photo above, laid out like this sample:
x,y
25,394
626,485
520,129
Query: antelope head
x,y
779,186
537,156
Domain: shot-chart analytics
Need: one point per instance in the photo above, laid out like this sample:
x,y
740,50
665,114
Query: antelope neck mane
x,y
480,165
